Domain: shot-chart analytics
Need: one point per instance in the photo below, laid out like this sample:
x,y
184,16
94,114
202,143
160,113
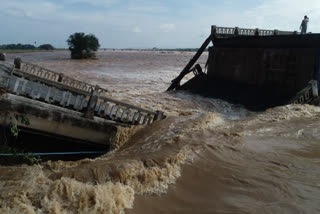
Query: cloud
x,y
103,3
148,9
137,29
35,9
167,27
283,14
114,21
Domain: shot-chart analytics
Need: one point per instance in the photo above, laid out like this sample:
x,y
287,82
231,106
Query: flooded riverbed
x,y
207,156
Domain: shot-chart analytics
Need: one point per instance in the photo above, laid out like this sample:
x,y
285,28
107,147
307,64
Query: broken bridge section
x,y
65,106
257,68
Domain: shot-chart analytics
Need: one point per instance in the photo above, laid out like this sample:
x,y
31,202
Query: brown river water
x,y
207,156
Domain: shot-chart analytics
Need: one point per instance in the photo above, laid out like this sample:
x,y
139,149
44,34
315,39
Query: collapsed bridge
x,y
257,68
56,104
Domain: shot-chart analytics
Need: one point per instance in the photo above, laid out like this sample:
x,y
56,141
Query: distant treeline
x,y
26,47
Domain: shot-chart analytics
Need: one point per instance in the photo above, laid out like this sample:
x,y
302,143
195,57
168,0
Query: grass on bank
x,y
9,145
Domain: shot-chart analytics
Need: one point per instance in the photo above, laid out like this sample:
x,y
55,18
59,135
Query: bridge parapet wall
x,y
236,31
43,73
41,84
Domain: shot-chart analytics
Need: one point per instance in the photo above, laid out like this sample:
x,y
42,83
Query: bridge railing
x,y
46,74
224,30
90,104
111,109
236,31
307,94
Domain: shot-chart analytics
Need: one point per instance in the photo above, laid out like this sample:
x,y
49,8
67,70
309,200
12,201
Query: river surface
x,y
207,156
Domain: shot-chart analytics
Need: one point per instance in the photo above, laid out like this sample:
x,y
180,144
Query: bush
x,y
46,47
83,46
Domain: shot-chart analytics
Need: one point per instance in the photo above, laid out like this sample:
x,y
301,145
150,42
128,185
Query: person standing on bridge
x,y
304,25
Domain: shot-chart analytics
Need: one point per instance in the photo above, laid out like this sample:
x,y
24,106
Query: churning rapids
x,y
207,156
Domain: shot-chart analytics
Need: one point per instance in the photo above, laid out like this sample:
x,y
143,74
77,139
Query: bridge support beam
x,y
58,121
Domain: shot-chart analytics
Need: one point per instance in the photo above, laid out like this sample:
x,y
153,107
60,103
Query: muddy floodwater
x,y
207,156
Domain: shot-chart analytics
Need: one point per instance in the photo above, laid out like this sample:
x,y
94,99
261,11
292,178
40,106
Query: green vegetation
x,y
83,46
9,146
46,47
17,46
25,47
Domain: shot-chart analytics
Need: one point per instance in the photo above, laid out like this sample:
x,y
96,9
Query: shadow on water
x,y
44,147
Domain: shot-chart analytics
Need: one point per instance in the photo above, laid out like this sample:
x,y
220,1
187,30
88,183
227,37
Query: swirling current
x,y
207,156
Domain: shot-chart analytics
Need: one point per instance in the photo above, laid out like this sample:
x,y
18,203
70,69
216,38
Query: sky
x,y
146,23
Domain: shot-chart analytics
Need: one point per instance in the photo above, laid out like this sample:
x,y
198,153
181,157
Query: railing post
x,y
3,57
60,77
275,32
92,103
213,29
159,115
256,32
236,31
17,63
314,86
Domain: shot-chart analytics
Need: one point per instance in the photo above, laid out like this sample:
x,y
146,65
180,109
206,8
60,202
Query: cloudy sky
x,y
146,23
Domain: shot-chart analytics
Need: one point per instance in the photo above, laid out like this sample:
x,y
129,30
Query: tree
x,y
46,47
83,46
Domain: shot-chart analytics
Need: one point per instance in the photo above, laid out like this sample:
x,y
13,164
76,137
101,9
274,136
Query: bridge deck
x,y
50,97
54,88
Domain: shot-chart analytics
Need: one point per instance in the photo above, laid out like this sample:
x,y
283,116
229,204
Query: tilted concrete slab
x,y
59,105
57,120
